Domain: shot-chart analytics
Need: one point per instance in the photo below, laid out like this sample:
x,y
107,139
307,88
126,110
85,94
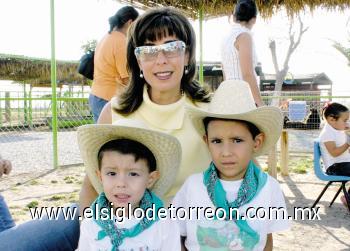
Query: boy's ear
x,y
98,173
152,178
259,141
205,138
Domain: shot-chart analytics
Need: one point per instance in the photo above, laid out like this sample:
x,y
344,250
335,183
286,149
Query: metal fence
x,y
26,127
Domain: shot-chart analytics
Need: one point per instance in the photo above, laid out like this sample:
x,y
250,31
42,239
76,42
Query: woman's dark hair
x,y
128,146
153,25
334,110
122,16
245,10
253,129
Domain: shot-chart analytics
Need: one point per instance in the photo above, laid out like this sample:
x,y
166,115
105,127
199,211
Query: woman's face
x,y
163,67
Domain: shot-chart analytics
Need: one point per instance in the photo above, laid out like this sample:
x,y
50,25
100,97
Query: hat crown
x,y
232,97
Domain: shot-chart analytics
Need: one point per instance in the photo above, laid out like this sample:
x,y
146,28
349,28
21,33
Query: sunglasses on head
x,y
150,52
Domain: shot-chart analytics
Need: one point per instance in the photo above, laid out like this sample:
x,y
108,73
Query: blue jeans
x,y
6,220
96,105
45,234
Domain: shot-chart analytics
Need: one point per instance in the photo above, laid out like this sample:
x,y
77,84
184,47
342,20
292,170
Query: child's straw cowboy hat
x,y
233,100
165,148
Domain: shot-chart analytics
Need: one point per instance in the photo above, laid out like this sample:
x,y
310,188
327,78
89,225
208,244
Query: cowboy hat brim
x,y
267,119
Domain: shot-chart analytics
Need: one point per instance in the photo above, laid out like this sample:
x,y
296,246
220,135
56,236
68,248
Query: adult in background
x,y
110,74
238,51
161,60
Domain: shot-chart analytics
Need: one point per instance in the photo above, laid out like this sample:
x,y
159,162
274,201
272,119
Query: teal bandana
x,y
252,183
108,226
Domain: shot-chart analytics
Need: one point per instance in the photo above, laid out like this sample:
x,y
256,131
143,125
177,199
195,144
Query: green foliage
x,y
301,166
57,197
34,182
32,204
343,50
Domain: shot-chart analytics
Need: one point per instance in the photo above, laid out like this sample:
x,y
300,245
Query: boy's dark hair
x,y
334,110
245,10
251,127
153,25
128,146
122,16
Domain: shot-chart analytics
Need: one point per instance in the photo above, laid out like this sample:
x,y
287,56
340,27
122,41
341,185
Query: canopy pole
x,y
53,86
201,76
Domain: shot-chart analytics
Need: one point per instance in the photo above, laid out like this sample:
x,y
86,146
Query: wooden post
x,y
284,153
272,162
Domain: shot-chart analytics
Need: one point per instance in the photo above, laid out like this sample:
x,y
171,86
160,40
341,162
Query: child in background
x,y
128,164
235,132
6,220
335,142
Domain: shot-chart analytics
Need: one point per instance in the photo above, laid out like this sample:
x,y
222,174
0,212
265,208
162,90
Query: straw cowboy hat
x,y
234,100
165,148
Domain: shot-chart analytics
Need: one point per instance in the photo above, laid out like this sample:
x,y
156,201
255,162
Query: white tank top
x,y
229,53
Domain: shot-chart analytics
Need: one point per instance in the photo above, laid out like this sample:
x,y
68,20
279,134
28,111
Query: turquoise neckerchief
x,y
252,183
117,235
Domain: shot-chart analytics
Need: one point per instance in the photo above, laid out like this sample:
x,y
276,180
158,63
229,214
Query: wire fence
x,y
26,124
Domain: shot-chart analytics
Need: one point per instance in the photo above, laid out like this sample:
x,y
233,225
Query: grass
x,y
32,204
57,197
300,166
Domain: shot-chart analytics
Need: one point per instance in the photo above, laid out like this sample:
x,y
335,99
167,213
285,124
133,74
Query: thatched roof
x,y
216,8
36,71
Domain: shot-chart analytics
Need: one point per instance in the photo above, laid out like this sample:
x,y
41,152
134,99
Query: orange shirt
x,y
109,65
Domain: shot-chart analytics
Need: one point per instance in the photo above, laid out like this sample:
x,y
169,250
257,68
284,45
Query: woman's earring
x,y
186,69
141,75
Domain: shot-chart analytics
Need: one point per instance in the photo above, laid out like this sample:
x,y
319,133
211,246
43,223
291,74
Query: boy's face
x,y
124,180
231,146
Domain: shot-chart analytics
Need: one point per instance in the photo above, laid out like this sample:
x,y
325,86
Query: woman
x,y
161,60
110,74
238,52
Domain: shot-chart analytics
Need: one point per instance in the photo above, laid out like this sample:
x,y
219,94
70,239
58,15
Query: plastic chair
x,y
319,172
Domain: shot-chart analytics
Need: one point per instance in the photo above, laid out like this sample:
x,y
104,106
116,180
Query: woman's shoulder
x,y
196,104
238,30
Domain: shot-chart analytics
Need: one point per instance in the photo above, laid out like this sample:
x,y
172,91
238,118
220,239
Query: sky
x,y
25,30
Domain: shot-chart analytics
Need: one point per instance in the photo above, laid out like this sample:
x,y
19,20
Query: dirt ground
x,y
61,187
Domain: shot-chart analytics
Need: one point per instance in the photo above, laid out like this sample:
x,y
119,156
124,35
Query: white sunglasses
x,y
150,52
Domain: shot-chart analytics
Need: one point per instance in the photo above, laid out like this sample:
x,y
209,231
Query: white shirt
x,y
229,53
216,232
161,235
328,134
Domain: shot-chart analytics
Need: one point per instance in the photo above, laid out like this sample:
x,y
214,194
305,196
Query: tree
x,y
294,41
343,50
90,45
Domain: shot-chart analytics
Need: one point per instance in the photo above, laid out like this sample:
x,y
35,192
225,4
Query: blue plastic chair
x,y
330,178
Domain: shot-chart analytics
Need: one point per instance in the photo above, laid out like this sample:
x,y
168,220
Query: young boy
x,y
128,164
233,190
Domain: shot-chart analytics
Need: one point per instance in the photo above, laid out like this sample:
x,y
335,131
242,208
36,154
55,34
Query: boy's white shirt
x,y
194,194
162,235
328,134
